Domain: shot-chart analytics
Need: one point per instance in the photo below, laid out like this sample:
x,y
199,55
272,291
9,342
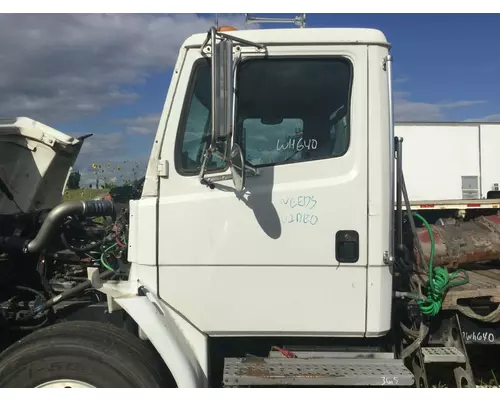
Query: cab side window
x,y
272,142
293,110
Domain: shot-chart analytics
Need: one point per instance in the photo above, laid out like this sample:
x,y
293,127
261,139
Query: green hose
x,y
103,258
439,280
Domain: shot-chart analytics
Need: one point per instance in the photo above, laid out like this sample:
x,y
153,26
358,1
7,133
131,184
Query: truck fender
x,y
160,328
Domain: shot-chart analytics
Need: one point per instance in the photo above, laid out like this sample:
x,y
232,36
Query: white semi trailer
x,y
274,252
451,160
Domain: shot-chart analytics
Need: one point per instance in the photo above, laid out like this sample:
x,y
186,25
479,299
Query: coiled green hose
x,y
439,280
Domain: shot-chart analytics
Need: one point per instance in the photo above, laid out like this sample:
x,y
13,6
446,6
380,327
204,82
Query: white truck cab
x,y
311,115
301,249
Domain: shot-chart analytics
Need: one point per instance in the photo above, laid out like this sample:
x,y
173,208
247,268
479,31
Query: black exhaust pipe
x,y
53,221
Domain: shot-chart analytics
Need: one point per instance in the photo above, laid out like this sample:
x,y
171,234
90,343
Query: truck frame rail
x,y
453,204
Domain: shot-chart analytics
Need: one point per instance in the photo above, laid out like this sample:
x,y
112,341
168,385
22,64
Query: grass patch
x,y
83,194
491,382
484,362
484,365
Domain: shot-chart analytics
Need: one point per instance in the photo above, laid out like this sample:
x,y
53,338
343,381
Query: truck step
x,y
442,355
335,354
277,371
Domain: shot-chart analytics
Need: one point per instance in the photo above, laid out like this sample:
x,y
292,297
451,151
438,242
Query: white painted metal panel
x,y
379,284
233,267
490,157
437,157
35,163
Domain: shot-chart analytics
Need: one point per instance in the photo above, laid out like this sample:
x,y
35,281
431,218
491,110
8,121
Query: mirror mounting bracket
x,y
209,182
213,33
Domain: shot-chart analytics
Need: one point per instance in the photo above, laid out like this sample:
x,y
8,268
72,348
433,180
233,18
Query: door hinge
x,y
388,259
162,167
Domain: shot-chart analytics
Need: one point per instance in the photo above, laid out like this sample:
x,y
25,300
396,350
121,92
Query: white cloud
x,y
142,125
487,118
407,110
57,66
101,145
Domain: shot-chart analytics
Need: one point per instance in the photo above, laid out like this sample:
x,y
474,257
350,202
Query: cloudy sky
x,y
109,74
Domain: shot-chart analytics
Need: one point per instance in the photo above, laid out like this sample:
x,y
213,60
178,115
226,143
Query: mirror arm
x,y
212,33
207,153
253,170
207,39
260,46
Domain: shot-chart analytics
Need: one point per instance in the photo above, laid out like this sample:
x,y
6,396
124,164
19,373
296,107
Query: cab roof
x,y
301,36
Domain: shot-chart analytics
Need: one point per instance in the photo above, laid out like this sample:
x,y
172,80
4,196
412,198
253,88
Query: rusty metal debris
x,y
477,240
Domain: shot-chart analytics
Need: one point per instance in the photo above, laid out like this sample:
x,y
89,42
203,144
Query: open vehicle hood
x,y
35,163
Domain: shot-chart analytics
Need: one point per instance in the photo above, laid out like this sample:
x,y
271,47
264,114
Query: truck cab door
x,y
287,255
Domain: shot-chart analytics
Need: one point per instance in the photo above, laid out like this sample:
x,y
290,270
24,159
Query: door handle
x,y
347,246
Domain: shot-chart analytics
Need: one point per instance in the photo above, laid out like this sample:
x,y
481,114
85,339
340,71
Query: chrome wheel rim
x,y
65,384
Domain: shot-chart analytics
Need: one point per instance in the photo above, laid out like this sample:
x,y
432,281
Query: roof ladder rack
x,y
299,20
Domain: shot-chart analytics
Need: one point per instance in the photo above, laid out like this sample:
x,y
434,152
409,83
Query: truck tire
x,y
80,354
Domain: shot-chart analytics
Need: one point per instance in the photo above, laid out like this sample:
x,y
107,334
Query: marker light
x,y
226,28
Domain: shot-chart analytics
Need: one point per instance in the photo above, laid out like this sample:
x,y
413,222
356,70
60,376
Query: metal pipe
x,y
53,221
298,20
256,20
388,65
399,194
215,81
480,146
71,292
412,224
226,77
